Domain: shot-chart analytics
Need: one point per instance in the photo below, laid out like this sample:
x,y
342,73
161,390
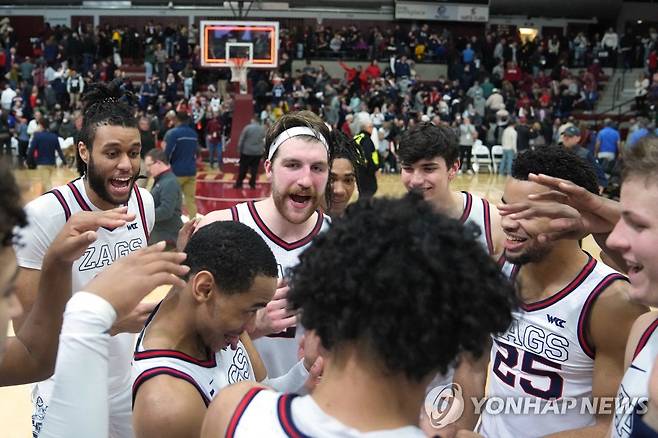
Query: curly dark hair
x,y
11,212
413,296
558,162
104,104
300,118
426,141
233,253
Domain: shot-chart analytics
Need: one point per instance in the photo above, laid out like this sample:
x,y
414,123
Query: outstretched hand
x,y
573,211
80,231
129,279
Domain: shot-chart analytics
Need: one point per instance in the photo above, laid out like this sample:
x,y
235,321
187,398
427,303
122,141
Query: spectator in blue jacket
x,y
181,144
42,150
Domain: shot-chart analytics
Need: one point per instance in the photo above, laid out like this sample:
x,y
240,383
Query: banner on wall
x,y
442,11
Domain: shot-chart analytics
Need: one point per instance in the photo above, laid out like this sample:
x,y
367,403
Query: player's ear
x,y
203,284
453,170
268,168
83,151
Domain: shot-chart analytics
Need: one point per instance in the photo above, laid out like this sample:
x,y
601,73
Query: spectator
x,y
7,97
251,147
509,142
367,171
637,134
214,139
467,135
43,147
571,140
181,149
167,198
607,145
610,43
75,86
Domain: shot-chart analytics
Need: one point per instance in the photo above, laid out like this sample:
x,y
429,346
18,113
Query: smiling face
x,y
635,237
431,177
343,182
112,164
521,244
299,173
222,318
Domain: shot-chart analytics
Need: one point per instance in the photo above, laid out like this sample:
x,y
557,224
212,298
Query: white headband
x,y
295,132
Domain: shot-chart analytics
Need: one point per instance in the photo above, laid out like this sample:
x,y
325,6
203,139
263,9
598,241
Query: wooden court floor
x,y
15,409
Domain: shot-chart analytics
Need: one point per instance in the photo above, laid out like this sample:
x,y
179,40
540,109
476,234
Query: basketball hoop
x,y
239,73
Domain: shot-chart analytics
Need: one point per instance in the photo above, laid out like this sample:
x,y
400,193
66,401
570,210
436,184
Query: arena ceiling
x,y
533,8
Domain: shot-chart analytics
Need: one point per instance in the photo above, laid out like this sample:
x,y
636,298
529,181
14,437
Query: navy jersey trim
x,y
175,354
285,416
645,338
584,273
288,246
159,371
62,202
234,214
240,410
583,319
487,225
78,196
467,207
142,212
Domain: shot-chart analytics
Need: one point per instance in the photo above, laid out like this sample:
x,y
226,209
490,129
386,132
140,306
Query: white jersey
x,y
478,212
544,360
278,351
633,391
221,369
267,413
47,215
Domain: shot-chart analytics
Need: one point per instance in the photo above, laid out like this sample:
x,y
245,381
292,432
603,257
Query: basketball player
x,y
384,333
298,159
561,343
343,175
633,224
109,153
83,355
429,156
195,343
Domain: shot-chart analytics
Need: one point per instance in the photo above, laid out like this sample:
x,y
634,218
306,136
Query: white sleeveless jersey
x,y
633,391
47,215
278,351
223,368
478,212
262,412
544,360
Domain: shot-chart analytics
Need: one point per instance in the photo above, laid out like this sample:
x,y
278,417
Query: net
x,y
239,73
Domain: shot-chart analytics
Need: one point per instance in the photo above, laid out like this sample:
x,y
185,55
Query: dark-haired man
x,y
298,153
376,367
342,175
181,145
109,155
429,156
167,197
561,346
195,342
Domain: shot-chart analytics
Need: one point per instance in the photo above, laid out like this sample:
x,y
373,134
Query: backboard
x,y
257,41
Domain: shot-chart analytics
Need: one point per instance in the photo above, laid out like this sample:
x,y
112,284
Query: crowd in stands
x,y
492,80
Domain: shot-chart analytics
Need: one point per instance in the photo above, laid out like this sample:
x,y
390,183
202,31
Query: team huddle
x,y
300,315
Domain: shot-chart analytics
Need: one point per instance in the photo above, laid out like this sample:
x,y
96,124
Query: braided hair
x,y
104,104
346,148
